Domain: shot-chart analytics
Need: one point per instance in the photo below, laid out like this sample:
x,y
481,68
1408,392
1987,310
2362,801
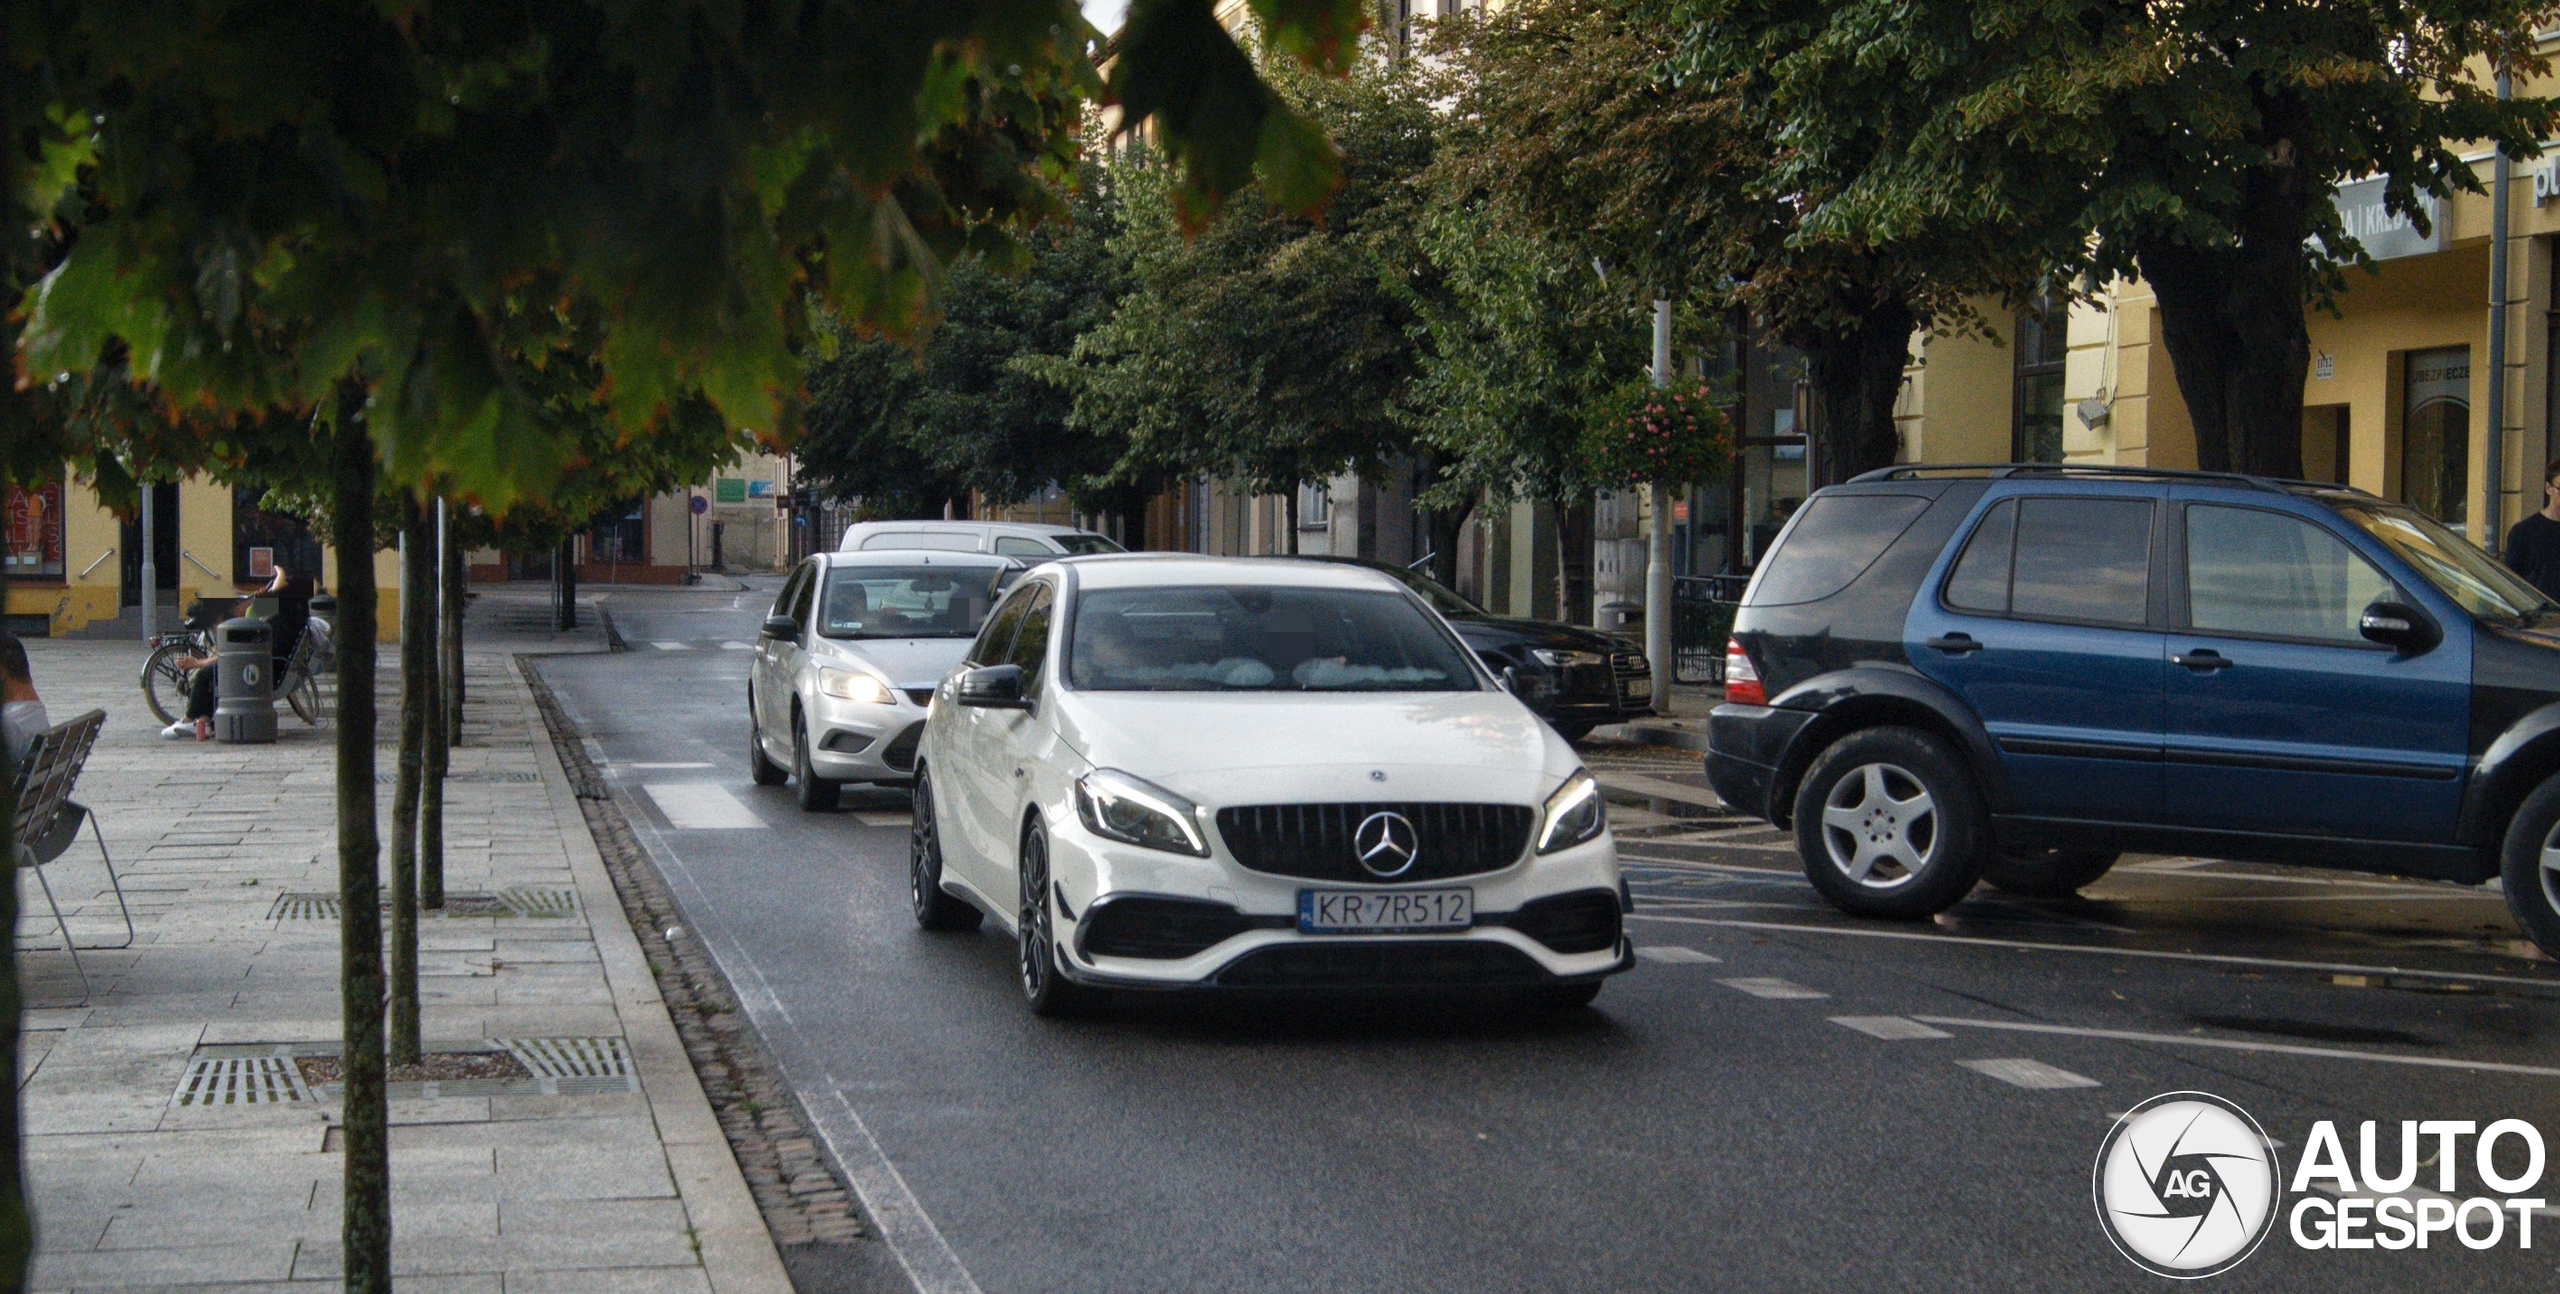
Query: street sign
x,y
700,505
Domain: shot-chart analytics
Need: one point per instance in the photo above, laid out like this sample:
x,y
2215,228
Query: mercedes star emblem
x,y
1386,844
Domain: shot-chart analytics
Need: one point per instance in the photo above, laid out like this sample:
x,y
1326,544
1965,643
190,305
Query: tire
x,y
934,910
1044,988
161,674
817,794
1572,731
1890,825
2045,873
1560,998
763,770
2530,865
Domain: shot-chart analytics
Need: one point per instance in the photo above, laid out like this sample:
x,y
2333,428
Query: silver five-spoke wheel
x,y
1880,826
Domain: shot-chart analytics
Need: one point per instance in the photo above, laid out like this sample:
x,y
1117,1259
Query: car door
x,y
2047,624
961,784
784,656
1006,739
2281,716
770,685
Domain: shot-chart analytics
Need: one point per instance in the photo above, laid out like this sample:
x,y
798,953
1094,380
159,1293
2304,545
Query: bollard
x,y
244,698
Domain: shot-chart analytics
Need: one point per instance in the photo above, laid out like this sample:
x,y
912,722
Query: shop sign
x,y
33,521
2386,234
760,489
729,489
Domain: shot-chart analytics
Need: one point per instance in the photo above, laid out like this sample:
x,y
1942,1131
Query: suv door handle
x,y
2203,660
1955,644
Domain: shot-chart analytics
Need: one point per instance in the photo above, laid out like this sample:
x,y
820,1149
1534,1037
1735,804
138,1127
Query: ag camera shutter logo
x,y
2186,1185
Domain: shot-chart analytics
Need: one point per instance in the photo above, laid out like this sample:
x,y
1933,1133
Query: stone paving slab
x,y
497,1193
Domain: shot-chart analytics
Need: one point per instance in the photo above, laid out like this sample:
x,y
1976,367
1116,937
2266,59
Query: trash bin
x,y
1620,617
244,709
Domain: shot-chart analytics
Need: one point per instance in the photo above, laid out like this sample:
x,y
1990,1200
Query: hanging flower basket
x,y
1674,435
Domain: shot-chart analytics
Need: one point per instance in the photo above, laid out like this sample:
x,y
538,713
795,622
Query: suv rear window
x,y
1832,543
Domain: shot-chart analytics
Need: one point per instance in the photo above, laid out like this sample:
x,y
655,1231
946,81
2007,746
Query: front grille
x,y
1445,964
1627,664
1164,928
1582,922
900,753
920,695
1313,841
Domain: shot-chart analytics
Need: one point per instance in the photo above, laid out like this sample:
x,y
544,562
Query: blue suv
x,y
2012,674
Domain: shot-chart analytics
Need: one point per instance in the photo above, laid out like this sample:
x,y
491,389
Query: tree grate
x,y
502,779
572,1058
519,902
240,1080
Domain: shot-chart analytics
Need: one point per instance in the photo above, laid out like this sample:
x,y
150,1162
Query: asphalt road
x,y
1708,1124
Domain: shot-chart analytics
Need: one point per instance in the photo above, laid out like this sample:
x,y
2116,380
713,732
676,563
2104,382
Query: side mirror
x,y
781,627
2395,624
996,687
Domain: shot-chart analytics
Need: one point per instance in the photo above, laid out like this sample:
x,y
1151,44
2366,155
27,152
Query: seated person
x,y
201,682
22,717
292,591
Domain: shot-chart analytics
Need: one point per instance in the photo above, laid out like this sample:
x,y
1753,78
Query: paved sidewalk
x,y
1684,727
604,1171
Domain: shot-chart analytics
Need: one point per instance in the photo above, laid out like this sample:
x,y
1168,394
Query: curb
x,y
612,636
737,1250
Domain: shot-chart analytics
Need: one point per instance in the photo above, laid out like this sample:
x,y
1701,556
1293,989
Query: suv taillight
x,y
1741,682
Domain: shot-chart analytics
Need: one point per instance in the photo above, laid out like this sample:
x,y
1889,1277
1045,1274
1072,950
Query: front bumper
x,y
853,741
1212,923
1745,746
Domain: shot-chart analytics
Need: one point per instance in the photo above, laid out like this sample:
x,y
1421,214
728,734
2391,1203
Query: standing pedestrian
x,y
2533,546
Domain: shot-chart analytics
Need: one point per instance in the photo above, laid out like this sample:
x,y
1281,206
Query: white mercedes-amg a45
x,y
1173,771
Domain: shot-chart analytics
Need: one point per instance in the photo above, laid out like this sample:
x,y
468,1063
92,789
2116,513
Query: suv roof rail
x,y
2003,471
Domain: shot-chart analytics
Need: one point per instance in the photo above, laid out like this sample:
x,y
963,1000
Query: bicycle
x,y
162,671
313,657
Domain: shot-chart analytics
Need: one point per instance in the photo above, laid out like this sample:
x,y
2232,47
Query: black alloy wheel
x,y
934,909
817,794
763,770
1048,992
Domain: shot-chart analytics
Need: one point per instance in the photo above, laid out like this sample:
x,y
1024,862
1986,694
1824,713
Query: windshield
x,y
1256,639
2459,571
1441,597
907,601
1083,545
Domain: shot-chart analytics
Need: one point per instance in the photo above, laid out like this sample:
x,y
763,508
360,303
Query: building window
x,y
2435,432
619,539
262,540
2043,342
1315,507
34,519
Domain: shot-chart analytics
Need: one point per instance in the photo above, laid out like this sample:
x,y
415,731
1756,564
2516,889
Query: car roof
x,y
1175,570
966,527
914,557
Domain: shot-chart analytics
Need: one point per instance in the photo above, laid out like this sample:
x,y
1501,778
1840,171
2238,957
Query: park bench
x,y
49,820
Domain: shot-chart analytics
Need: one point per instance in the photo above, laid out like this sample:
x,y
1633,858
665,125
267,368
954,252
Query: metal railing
x,y
1702,608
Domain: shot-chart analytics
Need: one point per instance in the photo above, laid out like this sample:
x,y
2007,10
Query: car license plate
x,y
1349,912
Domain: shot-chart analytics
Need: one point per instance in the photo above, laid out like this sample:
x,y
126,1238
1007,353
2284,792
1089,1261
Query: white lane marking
x,y
1675,955
693,764
735,646
2236,1044
905,1227
672,646
595,748
700,806
1776,990
884,819
2217,959
1891,1028
2035,1075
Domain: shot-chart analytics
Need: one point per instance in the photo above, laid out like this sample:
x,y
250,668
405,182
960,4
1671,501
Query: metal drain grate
x,y
522,902
386,779
240,1080
575,1066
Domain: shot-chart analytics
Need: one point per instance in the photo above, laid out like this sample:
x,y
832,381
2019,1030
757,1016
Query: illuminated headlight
x,y
1567,659
849,686
1138,812
1574,814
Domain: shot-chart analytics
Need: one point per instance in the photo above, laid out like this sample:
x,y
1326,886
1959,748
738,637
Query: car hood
x,y
905,662
1259,747
1505,631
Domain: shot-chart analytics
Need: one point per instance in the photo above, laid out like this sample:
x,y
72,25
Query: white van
x,y
1036,543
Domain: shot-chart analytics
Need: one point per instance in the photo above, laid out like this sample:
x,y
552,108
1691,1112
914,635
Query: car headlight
x,y
1138,812
1567,659
850,686
1574,814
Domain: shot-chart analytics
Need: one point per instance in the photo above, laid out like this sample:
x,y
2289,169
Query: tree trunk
x,y
1573,561
437,754
1852,379
417,694
1288,522
1443,525
455,581
564,582
365,1232
17,1223
2231,317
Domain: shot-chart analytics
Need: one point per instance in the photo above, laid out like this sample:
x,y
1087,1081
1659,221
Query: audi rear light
x,y
1741,681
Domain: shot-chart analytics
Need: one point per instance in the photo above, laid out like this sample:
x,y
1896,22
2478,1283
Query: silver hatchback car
x,y
849,658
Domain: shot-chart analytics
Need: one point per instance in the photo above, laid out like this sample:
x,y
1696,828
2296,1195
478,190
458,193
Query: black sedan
x,y
1575,678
